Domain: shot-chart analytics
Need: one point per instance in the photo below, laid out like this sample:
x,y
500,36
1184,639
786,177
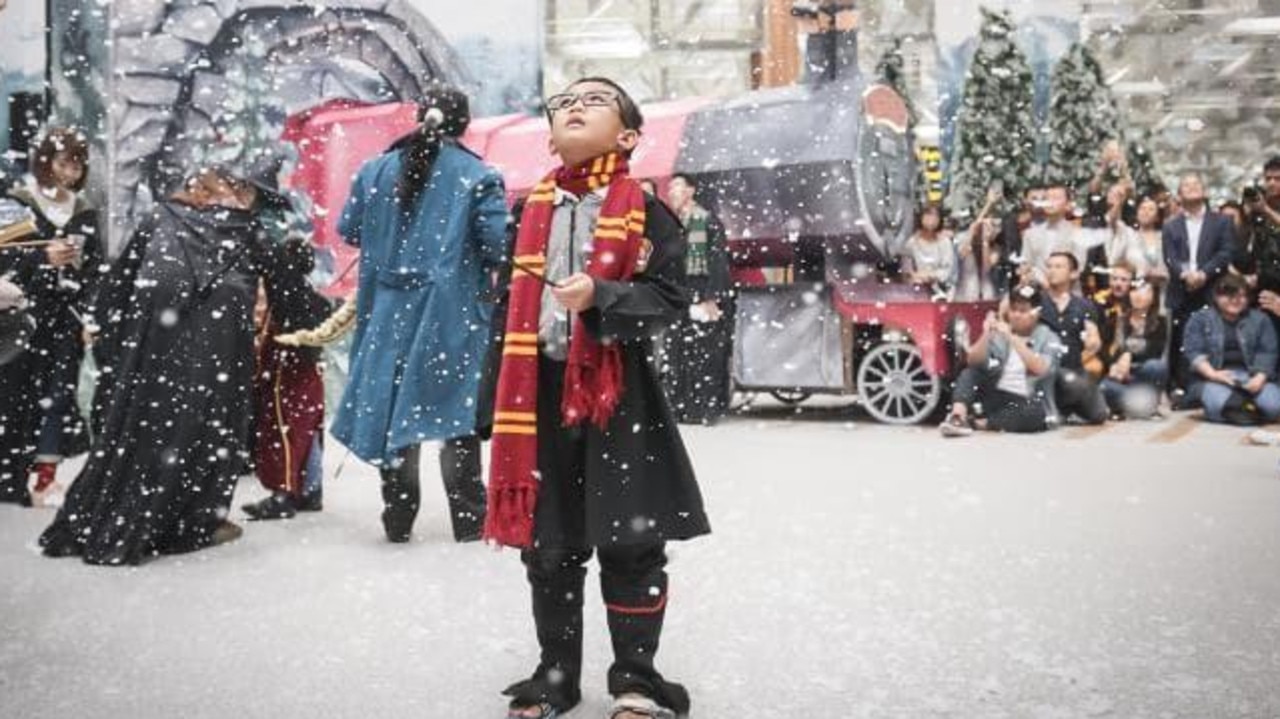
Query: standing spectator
x,y
1012,233
1232,351
1057,234
1263,219
978,253
430,220
1243,262
930,253
1116,243
1150,222
698,346
1073,320
40,415
1007,384
1136,367
1168,202
1197,250
1113,170
1233,211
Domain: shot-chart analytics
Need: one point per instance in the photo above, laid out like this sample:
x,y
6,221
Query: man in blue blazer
x,y
1197,250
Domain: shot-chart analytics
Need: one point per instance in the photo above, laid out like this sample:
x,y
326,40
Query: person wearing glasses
x,y
586,455
1231,351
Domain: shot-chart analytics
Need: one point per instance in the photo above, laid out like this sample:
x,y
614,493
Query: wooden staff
x,y
29,243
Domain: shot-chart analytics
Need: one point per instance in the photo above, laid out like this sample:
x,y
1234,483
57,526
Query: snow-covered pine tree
x,y
1082,118
1142,165
995,126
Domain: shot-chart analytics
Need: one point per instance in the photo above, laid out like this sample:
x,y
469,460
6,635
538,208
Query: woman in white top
x,y
1150,224
978,252
931,256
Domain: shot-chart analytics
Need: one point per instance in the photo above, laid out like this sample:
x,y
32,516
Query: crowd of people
x,y
1126,307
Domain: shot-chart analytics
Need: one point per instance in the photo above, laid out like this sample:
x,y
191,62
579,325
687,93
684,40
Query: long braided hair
x,y
443,115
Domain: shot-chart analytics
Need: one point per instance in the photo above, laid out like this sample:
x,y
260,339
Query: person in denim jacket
x,y
1011,371
1231,352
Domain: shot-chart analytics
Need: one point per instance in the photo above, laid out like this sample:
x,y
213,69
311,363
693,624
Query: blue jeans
x,y
1152,373
1214,396
59,403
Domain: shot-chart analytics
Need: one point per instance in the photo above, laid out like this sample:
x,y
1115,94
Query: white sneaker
x,y
1264,438
51,498
954,426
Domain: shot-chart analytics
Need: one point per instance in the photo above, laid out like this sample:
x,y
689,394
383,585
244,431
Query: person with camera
x,y
1262,218
1008,383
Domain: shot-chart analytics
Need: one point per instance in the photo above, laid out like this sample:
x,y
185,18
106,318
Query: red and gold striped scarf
x,y
593,378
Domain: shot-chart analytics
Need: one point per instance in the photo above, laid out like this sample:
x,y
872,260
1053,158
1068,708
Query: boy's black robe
x,y
635,483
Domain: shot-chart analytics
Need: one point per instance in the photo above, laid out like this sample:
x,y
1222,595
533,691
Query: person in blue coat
x,y
430,219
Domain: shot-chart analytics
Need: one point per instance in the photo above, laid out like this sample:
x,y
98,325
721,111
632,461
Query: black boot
x,y
633,582
279,505
400,498
460,468
556,578
312,501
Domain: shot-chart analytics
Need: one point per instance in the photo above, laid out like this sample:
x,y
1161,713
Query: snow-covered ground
x,y
855,571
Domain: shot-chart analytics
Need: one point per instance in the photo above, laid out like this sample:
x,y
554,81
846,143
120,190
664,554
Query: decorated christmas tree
x,y
995,143
1142,165
1082,118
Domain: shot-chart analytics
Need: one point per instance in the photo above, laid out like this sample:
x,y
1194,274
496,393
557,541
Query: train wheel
x,y
894,385
790,396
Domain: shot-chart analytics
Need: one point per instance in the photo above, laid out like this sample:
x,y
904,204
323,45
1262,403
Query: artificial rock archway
x,y
181,68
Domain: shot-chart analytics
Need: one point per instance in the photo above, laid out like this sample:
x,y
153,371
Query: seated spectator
x,y
1113,302
930,255
1137,369
1008,383
1073,319
1231,354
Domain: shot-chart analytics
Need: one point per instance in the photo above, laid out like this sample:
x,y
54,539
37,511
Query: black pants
x,y
459,468
1004,411
633,582
1077,394
633,577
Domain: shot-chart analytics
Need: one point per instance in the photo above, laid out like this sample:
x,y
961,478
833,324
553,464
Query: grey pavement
x,y
856,570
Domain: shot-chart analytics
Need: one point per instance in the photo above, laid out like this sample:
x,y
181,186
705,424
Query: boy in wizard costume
x,y
586,455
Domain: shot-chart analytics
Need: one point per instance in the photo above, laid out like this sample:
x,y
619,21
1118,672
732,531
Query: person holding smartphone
x,y
42,421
